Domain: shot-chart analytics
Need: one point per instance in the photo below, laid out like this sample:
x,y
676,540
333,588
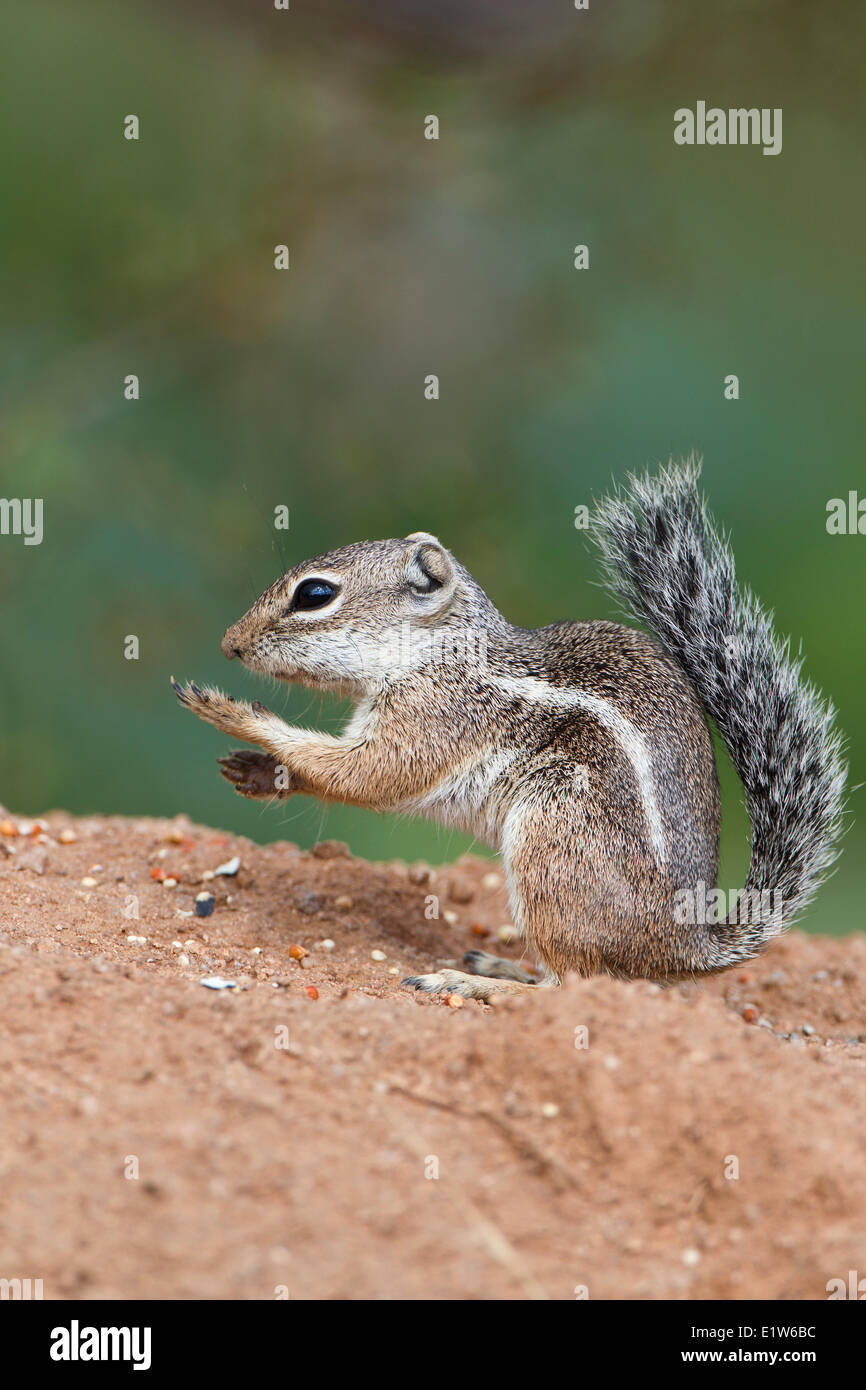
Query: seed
x,y
169,883
297,952
311,991
89,883
378,955
549,1110
342,904
454,1001
507,933
8,827
751,1014
491,881
67,837
157,873
326,945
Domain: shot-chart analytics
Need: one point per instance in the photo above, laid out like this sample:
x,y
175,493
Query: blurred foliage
x,y
407,257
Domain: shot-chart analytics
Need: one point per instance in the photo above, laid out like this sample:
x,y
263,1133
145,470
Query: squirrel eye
x,y
312,593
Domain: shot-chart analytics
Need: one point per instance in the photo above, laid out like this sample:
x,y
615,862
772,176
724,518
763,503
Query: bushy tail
x,y
665,560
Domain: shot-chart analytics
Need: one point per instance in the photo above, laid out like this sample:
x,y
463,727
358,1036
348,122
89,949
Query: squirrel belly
x,y
581,750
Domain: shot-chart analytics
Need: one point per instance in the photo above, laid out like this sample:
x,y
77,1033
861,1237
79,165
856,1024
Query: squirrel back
x,y
664,559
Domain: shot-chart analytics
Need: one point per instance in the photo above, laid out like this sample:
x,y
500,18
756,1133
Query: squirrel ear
x,y
429,567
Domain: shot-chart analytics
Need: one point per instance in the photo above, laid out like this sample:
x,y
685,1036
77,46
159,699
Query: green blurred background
x,y
408,257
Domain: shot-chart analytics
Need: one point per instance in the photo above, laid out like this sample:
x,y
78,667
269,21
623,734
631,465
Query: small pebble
x,y
378,955
419,874
208,875
507,933
204,904
807,1029
169,883
308,903
137,940
450,917
455,1001
311,991
550,1111
89,883
751,1014
342,904
691,1257
461,893
157,873
326,945
229,868
217,982
67,837
331,849
478,930
8,827
183,959
490,882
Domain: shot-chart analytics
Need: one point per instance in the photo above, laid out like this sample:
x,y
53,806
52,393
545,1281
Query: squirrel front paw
x,y
237,718
256,775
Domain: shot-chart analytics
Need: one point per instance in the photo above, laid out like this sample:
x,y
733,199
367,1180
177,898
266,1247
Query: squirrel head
x,y
354,618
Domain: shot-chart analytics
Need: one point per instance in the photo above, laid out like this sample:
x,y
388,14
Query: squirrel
x,y
581,751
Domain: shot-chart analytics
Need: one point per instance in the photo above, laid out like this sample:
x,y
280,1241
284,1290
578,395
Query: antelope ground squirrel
x,y
581,751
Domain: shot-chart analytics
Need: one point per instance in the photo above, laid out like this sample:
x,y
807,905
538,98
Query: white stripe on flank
x,y
627,735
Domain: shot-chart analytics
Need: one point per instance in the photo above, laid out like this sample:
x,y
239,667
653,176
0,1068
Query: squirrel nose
x,y
229,645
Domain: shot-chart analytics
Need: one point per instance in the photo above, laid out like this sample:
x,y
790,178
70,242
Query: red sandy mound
x,y
283,1141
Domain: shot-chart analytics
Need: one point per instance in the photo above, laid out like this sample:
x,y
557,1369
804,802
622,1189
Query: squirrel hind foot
x,y
496,968
468,986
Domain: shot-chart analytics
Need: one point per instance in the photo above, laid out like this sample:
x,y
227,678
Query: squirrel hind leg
x,y
469,986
